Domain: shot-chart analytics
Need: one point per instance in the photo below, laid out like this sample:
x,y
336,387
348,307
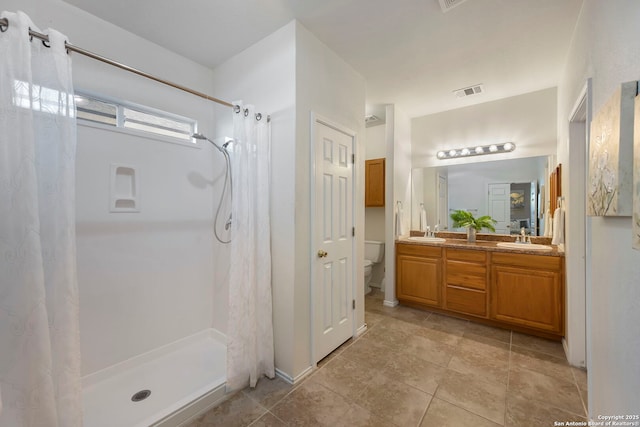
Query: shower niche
x,y
124,193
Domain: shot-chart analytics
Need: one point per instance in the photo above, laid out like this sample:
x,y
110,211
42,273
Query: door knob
x,y
322,254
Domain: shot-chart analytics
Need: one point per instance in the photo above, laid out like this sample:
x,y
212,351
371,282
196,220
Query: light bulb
x,y
479,150
453,153
508,146
493,148
465,152
441,154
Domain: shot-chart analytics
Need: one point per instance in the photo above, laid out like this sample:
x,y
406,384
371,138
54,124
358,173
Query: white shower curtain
x,y
39,336
250,325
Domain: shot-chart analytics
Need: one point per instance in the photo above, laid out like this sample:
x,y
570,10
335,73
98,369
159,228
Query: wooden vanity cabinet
x,y
465,284
374,182
419,274
528,290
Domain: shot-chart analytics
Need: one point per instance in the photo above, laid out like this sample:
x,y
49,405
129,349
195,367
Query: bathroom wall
x,y
289,74
606,48
528,120
375,148
145,279
398,180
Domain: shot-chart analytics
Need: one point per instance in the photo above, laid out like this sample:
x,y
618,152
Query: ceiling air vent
x,y
469,91
447,5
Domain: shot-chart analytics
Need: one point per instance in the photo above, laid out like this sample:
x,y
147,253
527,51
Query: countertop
x,y
480,245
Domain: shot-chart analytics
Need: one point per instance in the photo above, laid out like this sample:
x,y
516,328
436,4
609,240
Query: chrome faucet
x,y
523,238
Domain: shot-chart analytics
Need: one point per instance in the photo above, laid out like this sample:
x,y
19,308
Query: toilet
x,y
373,254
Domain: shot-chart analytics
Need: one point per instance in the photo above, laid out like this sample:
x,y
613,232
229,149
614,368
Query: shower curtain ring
x,y
258,116
44,42
246,112
3,27
30,35
236,109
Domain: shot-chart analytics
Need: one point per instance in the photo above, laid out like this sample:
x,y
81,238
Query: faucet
x,y
523,238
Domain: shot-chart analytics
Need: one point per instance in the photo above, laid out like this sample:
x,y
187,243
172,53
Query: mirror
x,y
510,191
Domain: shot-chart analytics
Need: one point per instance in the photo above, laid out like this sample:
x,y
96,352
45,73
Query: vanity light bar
x,y
479,150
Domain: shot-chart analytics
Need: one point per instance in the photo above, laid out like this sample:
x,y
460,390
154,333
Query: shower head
x,y
204,138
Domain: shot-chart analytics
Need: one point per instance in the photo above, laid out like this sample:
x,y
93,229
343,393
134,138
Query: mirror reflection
x,y
507,190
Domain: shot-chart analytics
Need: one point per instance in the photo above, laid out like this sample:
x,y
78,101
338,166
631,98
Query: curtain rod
x,y
4,22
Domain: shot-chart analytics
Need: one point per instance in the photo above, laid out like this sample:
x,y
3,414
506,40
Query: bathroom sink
x,y
524,246
426,239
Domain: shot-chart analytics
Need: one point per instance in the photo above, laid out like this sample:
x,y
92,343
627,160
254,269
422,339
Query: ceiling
x,y
410,53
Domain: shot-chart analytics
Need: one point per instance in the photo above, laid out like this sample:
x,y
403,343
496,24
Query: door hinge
x,y
353,304
353,159
353,231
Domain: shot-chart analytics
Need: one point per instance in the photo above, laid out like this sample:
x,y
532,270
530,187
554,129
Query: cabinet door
x,y
527,297
419,279
374,183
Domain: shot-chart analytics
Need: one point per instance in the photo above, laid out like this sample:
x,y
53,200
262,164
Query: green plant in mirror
x,y
463,218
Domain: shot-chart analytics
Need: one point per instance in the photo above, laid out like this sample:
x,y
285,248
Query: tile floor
x,y
416,368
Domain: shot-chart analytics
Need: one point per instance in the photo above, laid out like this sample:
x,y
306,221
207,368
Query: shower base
x,y
184,378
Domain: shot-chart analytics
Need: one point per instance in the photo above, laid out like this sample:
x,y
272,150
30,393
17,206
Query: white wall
x,y
606,48
376,148
398,182
289,74
528,120
144,278
264,75
327,86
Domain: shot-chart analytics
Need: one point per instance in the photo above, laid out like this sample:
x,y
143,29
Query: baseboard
x,y
388,303
294,380
361,330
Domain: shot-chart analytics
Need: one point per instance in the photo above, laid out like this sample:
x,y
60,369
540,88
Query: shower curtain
x,y
250,326
40,382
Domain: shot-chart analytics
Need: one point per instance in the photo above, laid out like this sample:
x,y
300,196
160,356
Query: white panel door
x,y
332,241
500,206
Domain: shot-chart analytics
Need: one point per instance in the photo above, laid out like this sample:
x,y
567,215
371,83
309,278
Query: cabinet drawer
x,y
537,262
419,250
466,274
467,301
467,255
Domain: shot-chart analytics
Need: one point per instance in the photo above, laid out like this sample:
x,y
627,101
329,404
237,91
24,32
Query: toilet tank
x,y
373,250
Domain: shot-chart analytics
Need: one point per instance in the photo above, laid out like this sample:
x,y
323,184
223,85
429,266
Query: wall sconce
x,y
480,150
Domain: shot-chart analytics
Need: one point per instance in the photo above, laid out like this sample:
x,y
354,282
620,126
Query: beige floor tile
x,y
444,414
345,377
487,360
486,331
543,388
541,362
357,416
427,349
542,345
311,404
387,333
268,420
372,319
370,352
522,411
268,392
414,371
410,315
580,375
447,324
483,398
451,339
239,410
395,401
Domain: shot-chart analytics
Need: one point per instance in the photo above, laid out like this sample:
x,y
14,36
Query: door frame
x,y
315,120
